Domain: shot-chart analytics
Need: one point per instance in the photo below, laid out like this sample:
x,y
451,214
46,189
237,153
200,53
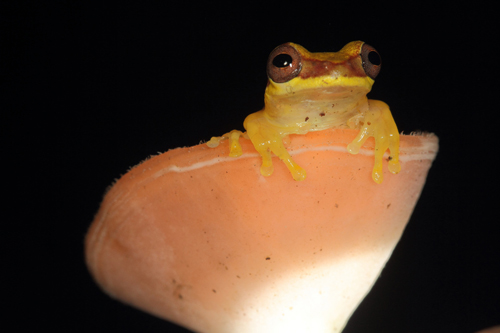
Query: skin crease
x,y
318,91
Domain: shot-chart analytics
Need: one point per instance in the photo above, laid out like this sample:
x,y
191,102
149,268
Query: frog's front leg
x,y
234,142
268,138
378,123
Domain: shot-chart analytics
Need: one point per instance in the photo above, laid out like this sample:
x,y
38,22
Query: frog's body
x,y
317,91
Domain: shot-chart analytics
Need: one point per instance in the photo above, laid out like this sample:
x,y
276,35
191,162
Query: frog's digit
x,y
379,124
317,91
234,142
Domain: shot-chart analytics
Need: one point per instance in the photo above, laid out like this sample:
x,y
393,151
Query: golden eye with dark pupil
x,y
282,60
371,61
284,63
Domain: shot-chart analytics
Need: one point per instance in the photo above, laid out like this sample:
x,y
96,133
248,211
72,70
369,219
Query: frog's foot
x,y
266,168
234,142
279,150
268,138
297,172
379,124
275,146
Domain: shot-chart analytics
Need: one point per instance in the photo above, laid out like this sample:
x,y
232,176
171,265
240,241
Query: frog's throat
x,y
312,116
329,82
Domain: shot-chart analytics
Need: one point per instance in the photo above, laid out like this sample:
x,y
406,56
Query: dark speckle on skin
x,y
268,258
322,114
307,118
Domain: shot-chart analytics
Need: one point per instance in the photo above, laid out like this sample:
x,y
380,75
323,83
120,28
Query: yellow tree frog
x,y
318,91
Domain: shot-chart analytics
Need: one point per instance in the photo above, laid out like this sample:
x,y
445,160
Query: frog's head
x,y
292,69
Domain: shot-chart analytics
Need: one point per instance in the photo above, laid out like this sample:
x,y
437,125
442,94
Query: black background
x,y
89,90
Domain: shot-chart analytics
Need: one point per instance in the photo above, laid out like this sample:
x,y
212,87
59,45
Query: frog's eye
x,y
284,63
371,60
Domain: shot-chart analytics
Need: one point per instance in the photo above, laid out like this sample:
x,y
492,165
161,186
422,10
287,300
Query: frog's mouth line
x,y
426,152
